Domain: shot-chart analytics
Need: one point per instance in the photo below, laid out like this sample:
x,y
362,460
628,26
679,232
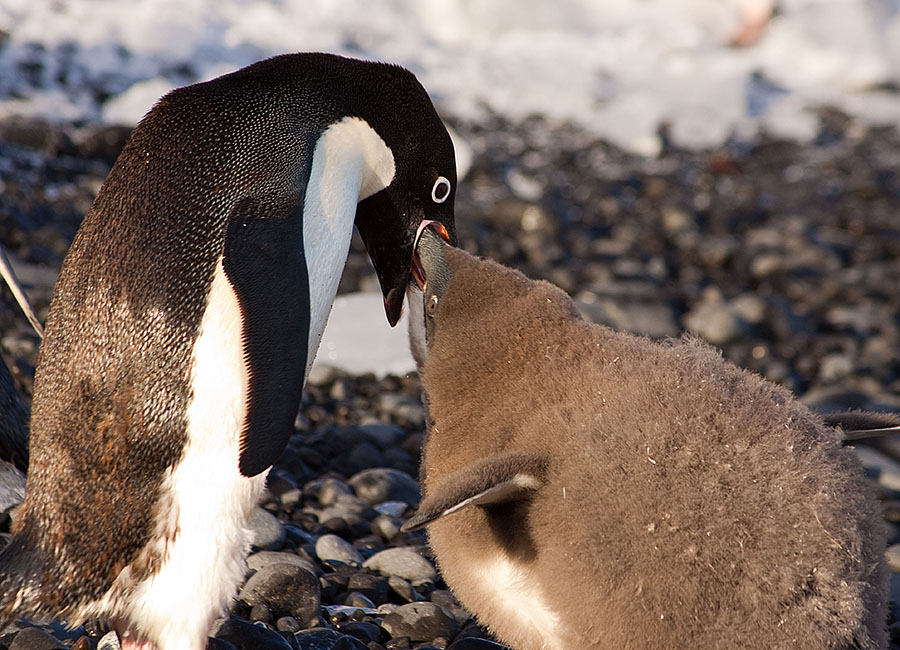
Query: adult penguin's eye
x,y
431,307
441,190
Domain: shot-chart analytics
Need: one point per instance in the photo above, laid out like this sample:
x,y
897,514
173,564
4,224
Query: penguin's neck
x,y
350,163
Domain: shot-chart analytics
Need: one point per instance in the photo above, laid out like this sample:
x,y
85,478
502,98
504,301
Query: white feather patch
x,y
350,163
524,613
205,502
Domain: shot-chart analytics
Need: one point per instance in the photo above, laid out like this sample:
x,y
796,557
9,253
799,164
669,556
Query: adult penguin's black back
x,y
187,313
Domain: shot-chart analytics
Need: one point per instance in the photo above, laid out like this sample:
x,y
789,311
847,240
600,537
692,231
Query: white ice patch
x,y
350,163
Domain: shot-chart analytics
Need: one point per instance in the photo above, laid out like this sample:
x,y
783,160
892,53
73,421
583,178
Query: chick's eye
x,y
441,190
431,307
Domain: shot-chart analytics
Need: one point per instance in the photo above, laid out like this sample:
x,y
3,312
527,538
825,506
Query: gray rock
x,y
391,508
375,588
714,319
288,624
383,435
284,588
34,638
648,317
331,490
402,562
331,548
346,506
420,622
386,526
348,642
317,638
264,559
356,599
893,557
267,532
378,485
403,589
247,636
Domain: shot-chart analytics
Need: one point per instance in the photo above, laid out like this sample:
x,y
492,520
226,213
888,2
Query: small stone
x,y
267,532
259,612
402,562
386,526
378,485
383,435
391,508
403,589
288,624
331,548
347,642
317,638
420,622
247,636
291,498
263,559
893,557
365,632
363,456
356,599
374,588
34,638
284,588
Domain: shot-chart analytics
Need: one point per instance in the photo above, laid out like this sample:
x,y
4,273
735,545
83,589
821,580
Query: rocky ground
x,y
785,256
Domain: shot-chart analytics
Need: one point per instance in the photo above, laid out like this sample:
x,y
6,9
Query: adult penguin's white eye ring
x,y
441,190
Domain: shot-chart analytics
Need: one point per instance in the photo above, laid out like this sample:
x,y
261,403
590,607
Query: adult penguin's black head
x,y
424,182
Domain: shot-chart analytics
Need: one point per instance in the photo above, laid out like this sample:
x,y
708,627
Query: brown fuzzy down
x,y
687,503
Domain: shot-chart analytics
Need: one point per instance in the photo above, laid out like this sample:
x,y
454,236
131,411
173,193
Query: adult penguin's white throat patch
x,y
350,163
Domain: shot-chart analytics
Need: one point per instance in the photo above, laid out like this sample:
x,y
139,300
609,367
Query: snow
x,y
618,68
358,338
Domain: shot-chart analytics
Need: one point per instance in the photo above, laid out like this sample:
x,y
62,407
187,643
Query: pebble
x,y
348,642
420,622
403,589
404,563
264,559
331,548
375,588
34,638
378,485
391,508
386,526
383,435
268,534
283,588
244,635
317,638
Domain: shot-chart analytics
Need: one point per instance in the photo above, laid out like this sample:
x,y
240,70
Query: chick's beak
x,y
418,270
390,243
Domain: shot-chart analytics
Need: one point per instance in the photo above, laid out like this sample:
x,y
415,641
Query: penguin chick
x,y
586,488
186,316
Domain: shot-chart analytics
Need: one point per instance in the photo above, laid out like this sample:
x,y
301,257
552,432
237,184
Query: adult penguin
x,y
187,313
